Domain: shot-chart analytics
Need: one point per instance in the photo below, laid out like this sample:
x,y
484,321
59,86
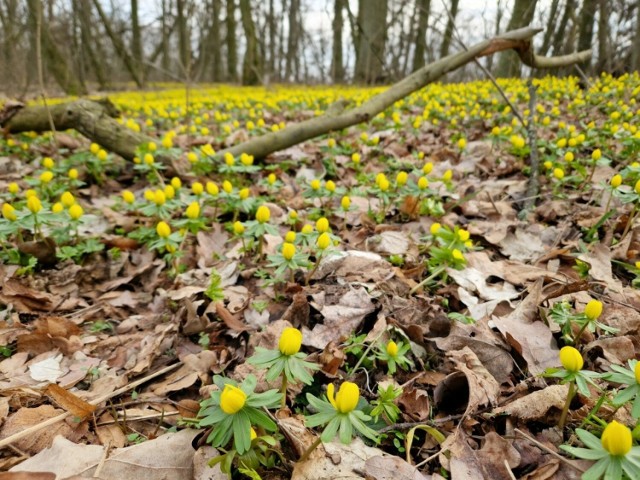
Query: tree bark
x,y
635,51
424,7
448,33
251,65
560,37
94,121
372,23
292,39
585,37
232,46
604,37
84,10
136,41
184,47
214,42
521,16
337,61
551,28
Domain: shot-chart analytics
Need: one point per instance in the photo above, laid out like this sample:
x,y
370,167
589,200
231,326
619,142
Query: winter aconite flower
x,y
263,214
232,399
288,250
392,349
346,400
290,341
163,229
324,241
593,310
8,212
571,359
193,210
616,439
34,205
394,355
616,181
75,211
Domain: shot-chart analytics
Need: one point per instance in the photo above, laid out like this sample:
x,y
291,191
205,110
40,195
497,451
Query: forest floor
x,y
131,300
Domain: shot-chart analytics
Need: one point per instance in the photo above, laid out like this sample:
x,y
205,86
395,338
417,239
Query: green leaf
x,y
330,430
597,470
346,430
241,432
321,418
589,439
260,419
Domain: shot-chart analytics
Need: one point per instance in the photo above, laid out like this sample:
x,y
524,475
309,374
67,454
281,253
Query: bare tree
x,y
587,15
521,16
448,32
337,62
372,36
232,46
252,63
424,7
635,51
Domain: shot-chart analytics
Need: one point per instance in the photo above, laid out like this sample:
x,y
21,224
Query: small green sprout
x,y
630,377
394,355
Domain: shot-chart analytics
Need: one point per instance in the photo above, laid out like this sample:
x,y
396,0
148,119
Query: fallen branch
x,y
92,122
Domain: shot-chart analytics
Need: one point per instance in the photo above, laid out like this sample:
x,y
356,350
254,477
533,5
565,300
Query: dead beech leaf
x,y
109,432
483,387
391,468
24,299
416,403
69,402
27,476
201,468
536,405
531,338
460,459
495,455
168,457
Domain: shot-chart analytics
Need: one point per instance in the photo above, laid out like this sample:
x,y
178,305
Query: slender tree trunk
x,y
424,7
635,51
55,61
446,40
585,37
232,46
10,37
165,62
184,46
521,16
559,39
251,65
337,62
292,40
214,42
551,27
87,43
499,13
372,24
271,62
136,41
604,36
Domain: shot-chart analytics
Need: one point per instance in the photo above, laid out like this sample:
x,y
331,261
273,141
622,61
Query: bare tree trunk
x,y
448,33
559,39
184,46
604,36
271,62
165,63
55,60
118,44
635,51
424,7
372,24
337,62
136,41
292,40
499,14
521,16
10,34
214,42
232,46
87,43
585,37
551,27
251,65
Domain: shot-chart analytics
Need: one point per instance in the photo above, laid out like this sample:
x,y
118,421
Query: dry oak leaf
x,y
391,468
498,457
536,405
483,387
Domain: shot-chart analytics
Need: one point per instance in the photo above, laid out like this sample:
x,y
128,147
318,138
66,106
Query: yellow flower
x,y
13,188
227,186
75,211
8,212
167,142
330,186
322,225
252,434
435,228
306,229
571,359
596,154
616,180
33,204
212,189
331,143
149,195
238,228
457,254
427,168
345,203
593,309
290,340
197,188
637,187
355,158
163,229
463,235
46,177
569,156
48,163
193,210
246,159
176,183
169,191
102,155
263,214
57,207
346,400
288,250
159,197
448,175
271,179
128,196
423,183
616,439
392,349
383,184
232,399
462,143
94,148
636,372
401,178
315,184
293,215
517,141
244,193
290,237
192,157
72,173
558,173
67,199
324,241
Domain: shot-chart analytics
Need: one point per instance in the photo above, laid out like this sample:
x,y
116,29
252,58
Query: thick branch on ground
x,y
91,120
520,40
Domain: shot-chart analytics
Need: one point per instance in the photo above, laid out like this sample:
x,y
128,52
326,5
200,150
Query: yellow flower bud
x,y
33,204
435,228
288,250
227,186
423,183
392,349
616,180
193,210
212,189
427,168
102,155
457,254
331,143
322,225
244,193
401,178
192,157
8,212
246,160
73,174
463,235
263,214
94,148
636,372
30,193
315,184
252,434
324,241
13,188
46,177
197,188
355,158
290,237
345,203
558,173
232,399
169,191
67,199
462,143
159,197
346,400
596,154
571,359
383,184
593,309
306,229
228,159
569,156
616,439
271,179
128,196
176,183
75,211
636,188
293,215
48,163
163,229
149,195
447,176
57,207
238,228
330,186
290,340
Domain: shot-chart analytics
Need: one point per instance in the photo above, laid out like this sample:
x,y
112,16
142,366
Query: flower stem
x,y
565,409
312,447
366,352
580,332
283,390
629,223
315,267
435,273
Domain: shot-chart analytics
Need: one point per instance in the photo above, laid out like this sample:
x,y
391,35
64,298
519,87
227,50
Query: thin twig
x,y
533,186
548,450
